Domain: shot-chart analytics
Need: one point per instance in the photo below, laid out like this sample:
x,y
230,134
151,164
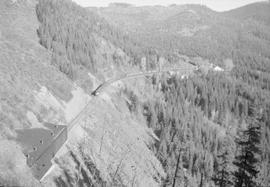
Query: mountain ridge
x,y
175,128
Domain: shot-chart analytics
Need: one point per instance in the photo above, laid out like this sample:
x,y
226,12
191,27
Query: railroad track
x,y
39,159
102,86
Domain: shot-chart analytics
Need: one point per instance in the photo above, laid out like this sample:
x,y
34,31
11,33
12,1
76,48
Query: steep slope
x,y
25,68
25,65
202,121
36,89
169,129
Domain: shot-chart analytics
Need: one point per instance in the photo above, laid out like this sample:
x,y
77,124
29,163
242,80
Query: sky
x,y
218,5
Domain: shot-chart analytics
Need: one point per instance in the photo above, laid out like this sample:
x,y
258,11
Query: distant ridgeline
x,y
214,128
123,5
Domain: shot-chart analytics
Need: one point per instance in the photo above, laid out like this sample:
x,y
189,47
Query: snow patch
x,y
217,68
47,99
95,81
33,120
76,104
70,109
184,76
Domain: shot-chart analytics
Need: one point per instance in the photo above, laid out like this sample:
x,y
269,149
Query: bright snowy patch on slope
x,y
76,104
184,76
95,81
32,118
70,109
47,99
217,68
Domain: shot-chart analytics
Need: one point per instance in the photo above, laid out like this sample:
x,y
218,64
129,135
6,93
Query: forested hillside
x,y
257,12
73,41
204,124
193,30
208,127
53,54
213,128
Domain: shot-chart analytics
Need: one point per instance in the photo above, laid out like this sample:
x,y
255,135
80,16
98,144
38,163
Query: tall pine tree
x,y
247,161
223,174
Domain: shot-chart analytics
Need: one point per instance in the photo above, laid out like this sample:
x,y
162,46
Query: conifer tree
x,y
223,174
246,162
223,164
263,178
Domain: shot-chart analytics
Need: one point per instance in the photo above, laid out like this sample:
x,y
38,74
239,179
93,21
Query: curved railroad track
x,y
40,159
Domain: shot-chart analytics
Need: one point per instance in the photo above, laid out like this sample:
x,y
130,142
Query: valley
x,y
134,96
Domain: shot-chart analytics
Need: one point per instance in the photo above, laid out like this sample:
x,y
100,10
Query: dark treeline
x,y
213,129
70,32
68,35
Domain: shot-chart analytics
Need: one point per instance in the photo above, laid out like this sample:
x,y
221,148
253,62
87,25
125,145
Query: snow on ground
x,y
32,118
184,76
95,81
217,68
45,98
76,104
70,109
